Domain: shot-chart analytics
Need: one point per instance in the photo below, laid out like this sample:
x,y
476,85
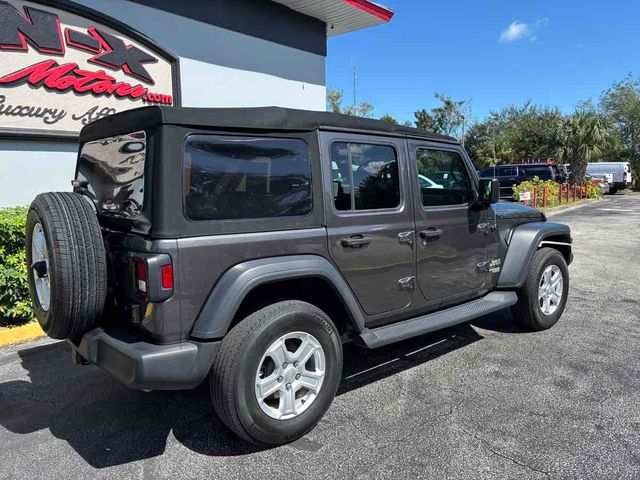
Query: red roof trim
x,y
372,8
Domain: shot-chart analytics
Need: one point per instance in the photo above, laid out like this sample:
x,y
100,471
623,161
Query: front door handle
x,y
356,241
431,234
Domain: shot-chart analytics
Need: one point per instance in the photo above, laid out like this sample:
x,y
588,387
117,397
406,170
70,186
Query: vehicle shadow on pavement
x,y
500,322
108,424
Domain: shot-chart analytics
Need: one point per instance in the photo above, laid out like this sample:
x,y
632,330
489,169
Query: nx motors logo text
x,y
41,31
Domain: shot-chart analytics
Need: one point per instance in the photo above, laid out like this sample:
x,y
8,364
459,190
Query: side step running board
x,y
492,302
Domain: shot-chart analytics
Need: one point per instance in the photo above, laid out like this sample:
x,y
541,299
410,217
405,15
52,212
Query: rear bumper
x,y
620,185
146,366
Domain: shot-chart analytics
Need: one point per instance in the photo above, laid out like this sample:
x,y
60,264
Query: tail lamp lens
x,y
141,275
167,276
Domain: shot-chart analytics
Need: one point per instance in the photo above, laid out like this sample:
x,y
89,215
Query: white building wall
x,y
218,68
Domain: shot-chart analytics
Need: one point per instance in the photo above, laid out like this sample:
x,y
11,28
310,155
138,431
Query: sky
x,y
492,53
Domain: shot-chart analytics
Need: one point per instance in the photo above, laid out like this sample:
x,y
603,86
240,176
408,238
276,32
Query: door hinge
x,y
407,283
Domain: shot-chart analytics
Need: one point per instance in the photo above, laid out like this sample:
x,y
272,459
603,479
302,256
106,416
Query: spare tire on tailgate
x,y
66,263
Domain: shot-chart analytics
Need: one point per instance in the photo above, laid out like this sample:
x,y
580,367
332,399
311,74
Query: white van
x,y
618,174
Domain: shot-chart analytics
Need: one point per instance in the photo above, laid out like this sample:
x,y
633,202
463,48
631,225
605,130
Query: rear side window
x,y
233,177
508,171
365,176
488,172
542,172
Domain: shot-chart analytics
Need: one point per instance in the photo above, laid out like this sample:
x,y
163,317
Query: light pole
x,y
463,120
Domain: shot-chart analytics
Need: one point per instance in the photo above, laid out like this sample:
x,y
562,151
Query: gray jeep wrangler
x,y
247,245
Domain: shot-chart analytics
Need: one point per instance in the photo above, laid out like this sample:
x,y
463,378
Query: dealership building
x,y
65,64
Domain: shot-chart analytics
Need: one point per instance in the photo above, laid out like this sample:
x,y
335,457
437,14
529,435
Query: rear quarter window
x,y
111,173
235,177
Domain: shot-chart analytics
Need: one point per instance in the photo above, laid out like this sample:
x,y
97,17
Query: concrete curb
x,y
25,333
566,208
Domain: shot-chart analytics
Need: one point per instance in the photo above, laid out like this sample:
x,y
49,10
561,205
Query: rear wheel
x,y
543,297
277,373
66,264
613,191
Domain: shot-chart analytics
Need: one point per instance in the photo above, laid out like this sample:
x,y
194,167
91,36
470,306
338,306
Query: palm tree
x,y
585,136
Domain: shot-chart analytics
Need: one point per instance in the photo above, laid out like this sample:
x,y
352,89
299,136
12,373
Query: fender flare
x,y
235,284
524,242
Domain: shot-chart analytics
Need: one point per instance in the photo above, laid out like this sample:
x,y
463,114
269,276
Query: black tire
x,y
528,310
77,269
232,378
613,191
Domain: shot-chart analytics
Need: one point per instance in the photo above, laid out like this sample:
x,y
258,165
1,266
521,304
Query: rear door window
x,y
364,176
234,177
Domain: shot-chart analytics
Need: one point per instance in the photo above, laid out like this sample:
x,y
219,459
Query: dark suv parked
x,y
246,245
513,175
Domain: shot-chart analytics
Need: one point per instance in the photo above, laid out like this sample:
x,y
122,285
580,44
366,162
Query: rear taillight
x,y
153,277
167,276
624,176
141,275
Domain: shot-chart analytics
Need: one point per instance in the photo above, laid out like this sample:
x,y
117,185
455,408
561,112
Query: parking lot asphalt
x,y
481,400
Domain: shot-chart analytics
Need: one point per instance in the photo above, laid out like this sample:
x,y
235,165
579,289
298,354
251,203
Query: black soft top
x,y
255,118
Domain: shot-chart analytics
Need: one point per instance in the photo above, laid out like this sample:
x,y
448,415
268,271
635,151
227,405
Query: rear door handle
x,y
356,241
431,234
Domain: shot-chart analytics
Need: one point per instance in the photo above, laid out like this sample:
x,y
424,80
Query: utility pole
x,y
355,81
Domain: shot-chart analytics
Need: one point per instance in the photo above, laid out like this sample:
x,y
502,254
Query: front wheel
x,y
277,373
543,297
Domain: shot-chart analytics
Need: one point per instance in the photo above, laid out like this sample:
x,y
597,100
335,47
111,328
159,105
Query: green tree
x,y
585,137
334,100
334,104
487,145
449,117
389,119
424,120
527,131
621,105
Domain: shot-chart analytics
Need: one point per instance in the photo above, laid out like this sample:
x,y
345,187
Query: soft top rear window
x,y
236,177
111,172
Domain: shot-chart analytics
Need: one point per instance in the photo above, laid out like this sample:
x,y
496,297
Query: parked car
x,y
427,182
604,186
620,174
562,174
251,243
602,183
513,175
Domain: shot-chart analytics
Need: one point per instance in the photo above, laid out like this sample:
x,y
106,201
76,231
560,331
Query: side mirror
x,y
489,191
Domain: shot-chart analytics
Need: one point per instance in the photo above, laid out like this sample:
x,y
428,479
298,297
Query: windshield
x,y
111,172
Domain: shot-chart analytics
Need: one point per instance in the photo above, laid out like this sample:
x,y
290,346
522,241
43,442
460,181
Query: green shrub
x,y
15,303
552,191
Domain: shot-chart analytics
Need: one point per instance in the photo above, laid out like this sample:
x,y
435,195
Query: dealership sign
x,y
63,66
